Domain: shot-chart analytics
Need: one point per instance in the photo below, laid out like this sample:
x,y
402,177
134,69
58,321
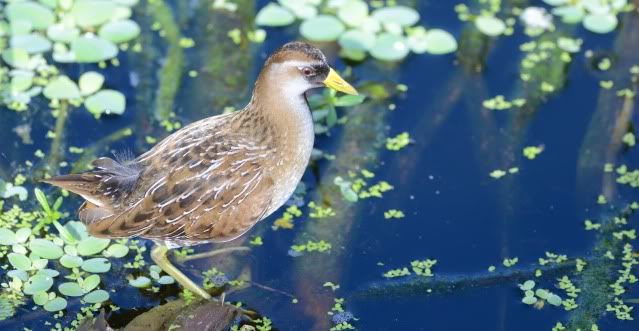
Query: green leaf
x,y
96,296
301,9
106,102
42,199
77,230
527,285
70,289
117,251
166,280
38,15
70,261
357,40
402,15
440,42
21,81
32,43
542,294
23,234
322,28
274,15
11,190
91,13
20,274
92,246
93,49
17,28
570,14
40,298
17,58
96,265
56,304
38,263
45,249
59,88
600,23
353,12
20,261
7,237
554,299
37,283
90,82
49,272
490,25
119,31
90,283
140,282
349,100
62,33
389,47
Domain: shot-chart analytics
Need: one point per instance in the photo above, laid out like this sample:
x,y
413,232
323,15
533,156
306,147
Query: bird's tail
x,y
77,183
109,181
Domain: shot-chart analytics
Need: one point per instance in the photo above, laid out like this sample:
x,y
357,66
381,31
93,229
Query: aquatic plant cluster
x,y
85,31
385,32
52,266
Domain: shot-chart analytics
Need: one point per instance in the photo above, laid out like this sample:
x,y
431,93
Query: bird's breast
x,y
292,154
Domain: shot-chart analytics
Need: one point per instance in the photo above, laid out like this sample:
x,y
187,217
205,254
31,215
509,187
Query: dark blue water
x,y
455,212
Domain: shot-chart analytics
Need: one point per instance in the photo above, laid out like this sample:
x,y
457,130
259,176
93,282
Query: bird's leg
x,y
158,254
226,250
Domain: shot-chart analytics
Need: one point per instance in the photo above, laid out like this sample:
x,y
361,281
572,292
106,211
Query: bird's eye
x,y
308,71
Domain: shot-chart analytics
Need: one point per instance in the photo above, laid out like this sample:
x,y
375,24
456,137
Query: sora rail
x,y
212,180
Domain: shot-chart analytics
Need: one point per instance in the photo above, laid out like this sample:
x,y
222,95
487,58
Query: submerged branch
x,y
453,283
170,75
56,151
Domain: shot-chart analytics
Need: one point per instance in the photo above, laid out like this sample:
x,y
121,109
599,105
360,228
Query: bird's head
x,y
298,67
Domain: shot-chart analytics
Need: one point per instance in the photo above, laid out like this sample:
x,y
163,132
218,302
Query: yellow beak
x,y
338,83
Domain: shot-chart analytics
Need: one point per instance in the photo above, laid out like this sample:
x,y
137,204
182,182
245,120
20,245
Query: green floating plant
x,y
82,31
398,142
539,296
30,249
387,33
325,106
599,16
312,246
531,152
419,267
154,275
488,18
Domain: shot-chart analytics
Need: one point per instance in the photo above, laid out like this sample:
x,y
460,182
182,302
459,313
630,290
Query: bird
x,y
214,179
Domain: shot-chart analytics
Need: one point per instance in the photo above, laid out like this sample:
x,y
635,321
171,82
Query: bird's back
x,y
204,183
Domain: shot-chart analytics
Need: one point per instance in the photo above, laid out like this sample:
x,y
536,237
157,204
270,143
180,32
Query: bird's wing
x,y
199,186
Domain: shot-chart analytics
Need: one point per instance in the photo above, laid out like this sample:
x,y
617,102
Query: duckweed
x,y
394,214
319,211
531,152
312,246
32,254
629,139
286,221
509,262
398,142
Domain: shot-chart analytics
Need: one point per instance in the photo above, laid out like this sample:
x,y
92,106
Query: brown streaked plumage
x,y
212,180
